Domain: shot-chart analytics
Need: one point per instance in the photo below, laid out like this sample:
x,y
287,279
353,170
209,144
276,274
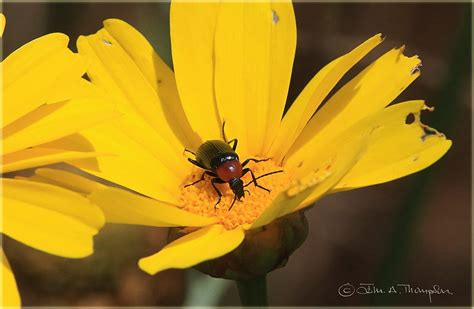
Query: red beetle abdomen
x,y
229,170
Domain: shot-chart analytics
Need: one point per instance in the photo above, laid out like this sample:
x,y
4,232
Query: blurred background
x,y
416,230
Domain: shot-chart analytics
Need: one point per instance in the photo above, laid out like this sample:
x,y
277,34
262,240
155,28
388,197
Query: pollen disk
x,y
201,197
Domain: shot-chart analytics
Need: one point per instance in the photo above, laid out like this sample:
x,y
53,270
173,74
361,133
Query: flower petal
x,y
66,180
205,244
49,218
115,71
254,50
192,26
313,94
10,297
320,171
139,164
53,198
3,22
124,207
121,206
159,76
37,156
289,199
150,159
53,121
370,91
398,148
47,57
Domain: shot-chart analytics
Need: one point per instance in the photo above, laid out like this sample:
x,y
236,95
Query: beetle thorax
x,y
229,170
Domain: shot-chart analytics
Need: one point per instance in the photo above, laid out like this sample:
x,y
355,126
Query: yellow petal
x,y
33,74
37,156
287,200
254,50
370,91
115,71
124,207
53,198
158,74
53,121
205,244
192,26
79,88
10,297
149,160
3,22
318,173
139,164
48,218
66,180
396,149
313,94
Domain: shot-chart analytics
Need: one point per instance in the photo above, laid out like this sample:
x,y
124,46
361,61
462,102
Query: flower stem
x,y
253,292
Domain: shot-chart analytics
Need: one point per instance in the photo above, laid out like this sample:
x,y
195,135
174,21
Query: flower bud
x,y
264,249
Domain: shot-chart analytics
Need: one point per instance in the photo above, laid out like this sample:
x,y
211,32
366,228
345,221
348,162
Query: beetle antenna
x,y
247,191
223,131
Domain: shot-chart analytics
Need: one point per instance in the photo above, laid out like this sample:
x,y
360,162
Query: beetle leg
x,y
196,163
254,160
211,173
233,202
235,141
187,150
213,183
264,175
197,181
254,179
202,178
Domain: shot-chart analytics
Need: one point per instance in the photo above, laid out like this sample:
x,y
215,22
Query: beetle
x,y
220,160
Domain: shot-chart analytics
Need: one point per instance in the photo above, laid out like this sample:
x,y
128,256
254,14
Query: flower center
x,y
201,197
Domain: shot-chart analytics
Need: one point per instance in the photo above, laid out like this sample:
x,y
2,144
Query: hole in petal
x,y
106,42
410,118
275,17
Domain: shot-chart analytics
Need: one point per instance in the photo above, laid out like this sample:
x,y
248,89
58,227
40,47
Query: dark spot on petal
x,y
159,81
300,164
275,17
410,118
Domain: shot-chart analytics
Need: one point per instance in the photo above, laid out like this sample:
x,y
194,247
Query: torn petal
x,y
416,68
402,146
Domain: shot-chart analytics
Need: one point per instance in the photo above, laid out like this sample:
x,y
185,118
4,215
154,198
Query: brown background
x,y
415,230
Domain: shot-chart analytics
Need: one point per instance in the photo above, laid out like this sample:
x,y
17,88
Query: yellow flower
x,y
232,62
44,98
